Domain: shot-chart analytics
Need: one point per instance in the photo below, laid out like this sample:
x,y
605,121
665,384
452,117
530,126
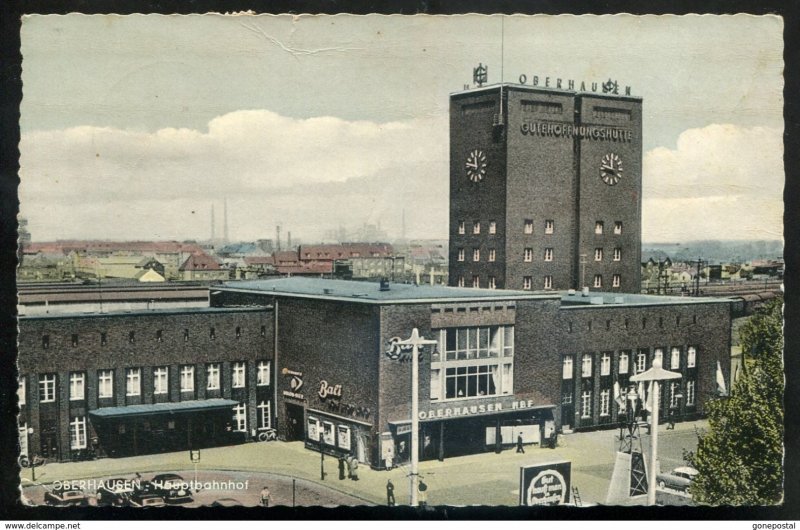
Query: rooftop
x,y
369,292
594,298
145,312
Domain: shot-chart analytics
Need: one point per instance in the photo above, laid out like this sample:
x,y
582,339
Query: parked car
x,y
225,502
143,499
114,492
171,487
65,497
678,479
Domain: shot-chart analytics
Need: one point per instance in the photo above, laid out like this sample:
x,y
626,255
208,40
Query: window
x,y
690,392
238,375
160,380
436,383
641,361
598,280
548,254
461,228
492,282
238,332
103,338
566,398
476,281
343,437
328,435
528,255
674,392
187,378
186,335
605,402
566,367
264,415
598,254
548,282
586,404
77,433
262,377
313,428
461,254
74,339
212,376
476,227
492,254
586,365
21,390
617,227
105,383
617,254
527,282
492,227
658,355
675,359
212,333
240,418
159,335
528,226
615,280
133,382
598,227
45,341
477,362
548,226
47,388
623,363
263,331
691,357
476,254
132,337
77,386
461,281
605,364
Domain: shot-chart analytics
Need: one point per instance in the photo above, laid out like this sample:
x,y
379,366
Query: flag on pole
x,y
618,397
721,389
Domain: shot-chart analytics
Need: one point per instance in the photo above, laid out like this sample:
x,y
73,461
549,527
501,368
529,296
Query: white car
x,y
678,479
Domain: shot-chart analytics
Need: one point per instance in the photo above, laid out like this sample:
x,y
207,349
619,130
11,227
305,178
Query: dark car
x,y
65,497
678,479
115,492
144,499
225,502
171,487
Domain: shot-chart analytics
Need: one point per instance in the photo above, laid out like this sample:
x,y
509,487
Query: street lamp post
x,y
415,341
654,375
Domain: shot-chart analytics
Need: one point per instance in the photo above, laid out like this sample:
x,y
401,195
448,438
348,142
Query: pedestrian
x,y
341,468
265,497
354,469
519,444
348,461
390,493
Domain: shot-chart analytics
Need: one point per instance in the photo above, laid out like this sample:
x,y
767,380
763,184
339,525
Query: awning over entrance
x,y
164,408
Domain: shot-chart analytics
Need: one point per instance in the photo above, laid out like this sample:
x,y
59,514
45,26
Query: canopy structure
x,y
164,408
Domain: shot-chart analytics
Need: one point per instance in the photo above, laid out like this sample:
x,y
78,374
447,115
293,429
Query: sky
x,y
134,126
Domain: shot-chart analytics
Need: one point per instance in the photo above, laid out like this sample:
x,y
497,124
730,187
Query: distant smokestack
x,y
225,226
213,234
278,237
288,240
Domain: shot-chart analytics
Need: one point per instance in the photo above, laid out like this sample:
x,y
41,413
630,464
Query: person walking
x,y
354,468
520,449
266,497
341,468
390,493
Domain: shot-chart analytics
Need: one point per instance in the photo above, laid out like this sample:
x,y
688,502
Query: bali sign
x,y
544,484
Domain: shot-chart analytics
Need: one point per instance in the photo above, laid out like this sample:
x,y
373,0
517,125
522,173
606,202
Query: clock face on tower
x,y
476,165
611,169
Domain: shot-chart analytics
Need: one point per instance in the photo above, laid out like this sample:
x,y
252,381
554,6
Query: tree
x,y
740,457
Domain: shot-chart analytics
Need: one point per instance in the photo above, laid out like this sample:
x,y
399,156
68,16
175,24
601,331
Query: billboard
x,y
545,484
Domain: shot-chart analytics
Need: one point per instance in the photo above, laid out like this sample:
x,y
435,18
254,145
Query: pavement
x,y
480,479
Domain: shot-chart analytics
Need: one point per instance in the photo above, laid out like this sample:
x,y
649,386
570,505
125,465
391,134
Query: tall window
x,y
476,227
691,357
47,388
528,255
462,228
598,254
641,362
21,390
461,281
586,365
492,254
476,281
262,376
527,282
598,280
623,362
133,381
617,254
548,282
675,359
605,402
598,227
212,376
492,282
616,280
492,227
264,416
105,384
658,355
586,404
240,418
187,378
549,226
605,364
77,433
77,386
238,375
528,226
566,367
476,362
74,339
690,392
160,380
476,254
461,254
674,391
548,254
617,227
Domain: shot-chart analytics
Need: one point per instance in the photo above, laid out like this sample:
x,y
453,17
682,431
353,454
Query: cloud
x,y
722,181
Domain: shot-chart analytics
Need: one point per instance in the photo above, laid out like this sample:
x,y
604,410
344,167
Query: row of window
x,y
527,254
673,392
626,358
159,336
133,381
627,323
527,227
